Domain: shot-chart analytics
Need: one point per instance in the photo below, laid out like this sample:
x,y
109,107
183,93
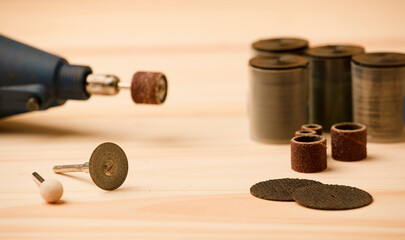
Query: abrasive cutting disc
x,y
108,166
279,189
331,197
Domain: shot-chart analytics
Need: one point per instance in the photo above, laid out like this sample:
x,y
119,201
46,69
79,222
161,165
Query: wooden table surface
x,y
191,160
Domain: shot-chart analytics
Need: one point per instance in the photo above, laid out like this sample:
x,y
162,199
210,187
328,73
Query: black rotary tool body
x,y
31,79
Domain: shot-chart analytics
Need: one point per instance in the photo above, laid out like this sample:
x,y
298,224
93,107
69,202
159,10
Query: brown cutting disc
x,y
331,197
108,166
279,189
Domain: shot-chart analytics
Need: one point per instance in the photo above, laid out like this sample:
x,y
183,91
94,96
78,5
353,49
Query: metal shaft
x,y
37,178
102,84
105,84
124,85
71,168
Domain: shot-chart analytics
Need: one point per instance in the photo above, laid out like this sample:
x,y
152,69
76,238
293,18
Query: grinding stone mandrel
x,y
331,197
51,190
279,189
149,87
312,126
349,141
304,132
108,166
308,153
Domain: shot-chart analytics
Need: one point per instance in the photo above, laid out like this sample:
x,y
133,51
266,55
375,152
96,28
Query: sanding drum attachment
x,y
149,87
349,141
378,94
308,153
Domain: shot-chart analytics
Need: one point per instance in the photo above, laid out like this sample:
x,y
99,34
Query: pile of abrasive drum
x,y
338,87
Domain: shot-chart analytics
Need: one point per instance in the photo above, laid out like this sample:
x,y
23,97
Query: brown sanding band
x,y
331,197
279,189
308,153
149,87
349,141
312,126
304,132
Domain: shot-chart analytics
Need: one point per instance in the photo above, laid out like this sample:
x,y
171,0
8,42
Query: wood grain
x,y
191,160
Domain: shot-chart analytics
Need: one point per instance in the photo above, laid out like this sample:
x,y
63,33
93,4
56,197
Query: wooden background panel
x,y
191,160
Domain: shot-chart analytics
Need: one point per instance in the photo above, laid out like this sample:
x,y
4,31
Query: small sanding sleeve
x,y
304,132
314,127
349,141
149,87
308,153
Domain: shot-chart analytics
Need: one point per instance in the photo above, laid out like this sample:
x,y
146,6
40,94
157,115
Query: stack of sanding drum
x,y
296,91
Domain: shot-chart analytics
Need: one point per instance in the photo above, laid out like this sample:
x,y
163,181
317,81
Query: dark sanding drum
x,y
271,46
330,84
278,96
349,141
378,94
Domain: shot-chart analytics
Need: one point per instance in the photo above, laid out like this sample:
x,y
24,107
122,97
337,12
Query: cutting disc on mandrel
x,y
279,189
331,197
108,166
149,87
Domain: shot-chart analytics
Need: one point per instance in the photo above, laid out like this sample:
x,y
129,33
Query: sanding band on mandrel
x,y
312,126
308,153
149,87
349,141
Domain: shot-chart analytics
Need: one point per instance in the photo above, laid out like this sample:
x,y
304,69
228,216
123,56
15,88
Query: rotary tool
x,y
32,80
